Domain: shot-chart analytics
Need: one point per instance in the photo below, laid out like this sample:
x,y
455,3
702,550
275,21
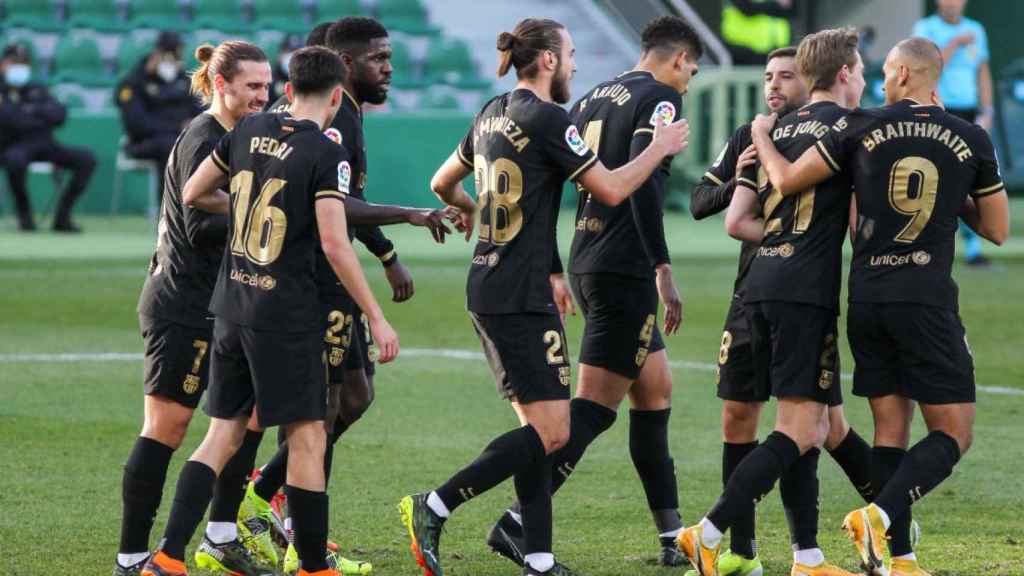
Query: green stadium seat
x,y
158,14
335,9
100,15
69,95
449,61
130,51
441,101
34,14
405,74
288,16
409,16
78,59
224,15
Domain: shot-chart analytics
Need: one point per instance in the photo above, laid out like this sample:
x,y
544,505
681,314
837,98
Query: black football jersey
x,y
521,150
190,242
279,167
714,194
913,167
800,256
617,119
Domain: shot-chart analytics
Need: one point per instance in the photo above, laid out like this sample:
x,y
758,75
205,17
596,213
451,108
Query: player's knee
x,y
167,429
739,421
837,431
555,437
307,440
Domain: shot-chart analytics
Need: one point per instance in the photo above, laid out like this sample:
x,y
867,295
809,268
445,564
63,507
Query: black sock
x,y
754,478
191,497
142,487
742,533
506,455
925,466
853,455
229,491
648,447
273,474
533,490
798,487
309,522
885,462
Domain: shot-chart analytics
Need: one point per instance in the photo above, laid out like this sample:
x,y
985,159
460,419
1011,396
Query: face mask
x,y
17,74
167,70
285,59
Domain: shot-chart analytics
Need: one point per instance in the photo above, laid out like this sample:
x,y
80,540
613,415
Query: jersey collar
x,y
359,109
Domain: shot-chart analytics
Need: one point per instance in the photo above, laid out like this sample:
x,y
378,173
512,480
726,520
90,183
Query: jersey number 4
x,y
258,229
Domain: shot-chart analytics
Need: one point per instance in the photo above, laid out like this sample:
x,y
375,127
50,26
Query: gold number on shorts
x,y
919,175
723,351
201,347
647,331
500,186
554,341
337,322
258,230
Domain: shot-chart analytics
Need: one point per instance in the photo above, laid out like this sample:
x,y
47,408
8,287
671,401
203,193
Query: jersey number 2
x,y
500,186
258,229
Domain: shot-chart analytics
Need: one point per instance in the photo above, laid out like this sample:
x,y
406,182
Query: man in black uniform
x,y
155,102
792,324
742,401
28,117
268,354
619,266
522,147
915,170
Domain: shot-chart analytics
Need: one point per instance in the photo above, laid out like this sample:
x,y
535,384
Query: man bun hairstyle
x,y
666,35
353,33
520,47
315,71
224,60
822,55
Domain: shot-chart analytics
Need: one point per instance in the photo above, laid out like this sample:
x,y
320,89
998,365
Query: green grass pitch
x,y
66,425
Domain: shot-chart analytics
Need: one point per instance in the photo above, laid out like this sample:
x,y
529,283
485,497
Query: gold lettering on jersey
x,y
918,257
813,127
909,129
263,282
506,127
270,147
781,251
617,93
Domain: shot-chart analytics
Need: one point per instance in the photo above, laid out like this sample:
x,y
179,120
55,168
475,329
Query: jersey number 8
x,y
500,186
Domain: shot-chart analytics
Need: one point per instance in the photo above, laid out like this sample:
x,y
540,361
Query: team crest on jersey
x,y
344,176
576,144
333,134
664,114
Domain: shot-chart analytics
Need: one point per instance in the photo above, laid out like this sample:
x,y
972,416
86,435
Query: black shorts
x,y
176,364
621,327
338,336
527,353
796,351
282,374
364,350
916,351
735,372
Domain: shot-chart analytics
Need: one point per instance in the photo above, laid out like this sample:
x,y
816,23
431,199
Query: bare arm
x,y
203,189
612,187
743,220
985,111
790,177
447,185
330,218
853,218
989,216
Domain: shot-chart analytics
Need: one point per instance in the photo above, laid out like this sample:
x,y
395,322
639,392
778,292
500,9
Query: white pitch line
x,y
450,353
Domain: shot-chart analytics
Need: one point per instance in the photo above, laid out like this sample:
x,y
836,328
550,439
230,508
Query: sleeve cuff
x,y
988,190
220,163
828,157
583,168
463,159
747,182
713,178
329,194
643,131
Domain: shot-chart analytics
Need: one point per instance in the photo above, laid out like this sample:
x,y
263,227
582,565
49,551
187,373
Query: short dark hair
x,y
671,33
784,52
354,31
318,35
315,70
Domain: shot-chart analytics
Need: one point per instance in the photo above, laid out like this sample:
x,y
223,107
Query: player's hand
x,y
669,295
400,280
463,220
386,339
748,158
562,295
764,123
433,220
674,138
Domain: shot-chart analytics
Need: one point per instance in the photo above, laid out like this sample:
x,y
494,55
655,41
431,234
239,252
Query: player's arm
x,y
202,227
743,221
788,177
330,218
612,187
714,192
203,190
853,218
989,216
447,186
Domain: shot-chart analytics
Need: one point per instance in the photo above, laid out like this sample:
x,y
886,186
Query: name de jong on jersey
x,y
521,150
800,257
279,167
617,119
190,242
913,167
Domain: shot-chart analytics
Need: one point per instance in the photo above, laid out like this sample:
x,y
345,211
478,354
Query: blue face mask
x,y
17,74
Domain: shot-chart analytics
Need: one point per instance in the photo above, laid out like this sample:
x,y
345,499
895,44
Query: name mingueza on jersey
x,y
506,127
914,129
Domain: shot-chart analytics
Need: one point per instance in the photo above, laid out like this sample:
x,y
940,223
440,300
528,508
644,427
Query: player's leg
x,y
850,451
306,492
176,369
893,415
